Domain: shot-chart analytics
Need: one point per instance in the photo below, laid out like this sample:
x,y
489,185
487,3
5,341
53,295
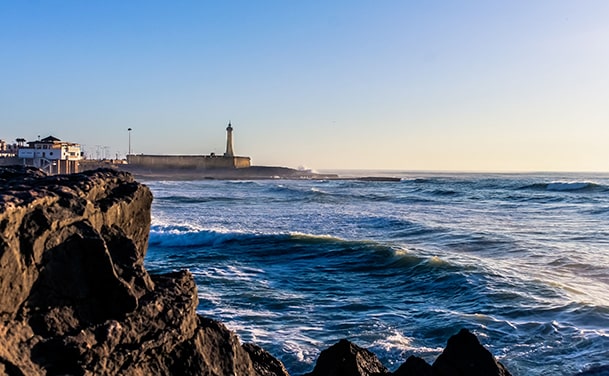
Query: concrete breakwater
x,y
179,162
249,173
75,297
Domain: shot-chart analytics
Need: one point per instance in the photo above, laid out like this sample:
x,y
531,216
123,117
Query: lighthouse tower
x,y
229,141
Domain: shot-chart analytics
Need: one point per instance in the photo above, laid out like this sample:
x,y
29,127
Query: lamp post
x,y
129,130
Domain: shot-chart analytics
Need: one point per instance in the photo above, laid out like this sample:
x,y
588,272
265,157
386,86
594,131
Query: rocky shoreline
x,y
76,299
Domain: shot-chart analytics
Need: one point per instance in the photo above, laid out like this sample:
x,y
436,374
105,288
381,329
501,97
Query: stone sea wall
x,y
9,161
179,162
75,298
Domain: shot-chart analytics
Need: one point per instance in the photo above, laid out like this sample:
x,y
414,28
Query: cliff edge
x,y
75,297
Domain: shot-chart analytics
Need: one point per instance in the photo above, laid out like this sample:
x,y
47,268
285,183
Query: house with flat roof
x,y
52,155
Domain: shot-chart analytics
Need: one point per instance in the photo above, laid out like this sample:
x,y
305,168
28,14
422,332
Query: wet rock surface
x,y
75,297
463,356
346,358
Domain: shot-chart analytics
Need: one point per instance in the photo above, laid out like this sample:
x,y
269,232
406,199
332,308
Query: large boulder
x,y
347,359
75,297
464,355
71,243
264,363
414,366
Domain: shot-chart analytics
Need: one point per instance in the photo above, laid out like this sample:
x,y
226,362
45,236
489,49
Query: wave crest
x,y
567,186
186,235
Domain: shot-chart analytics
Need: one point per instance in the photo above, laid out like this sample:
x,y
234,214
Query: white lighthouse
x,y
229,141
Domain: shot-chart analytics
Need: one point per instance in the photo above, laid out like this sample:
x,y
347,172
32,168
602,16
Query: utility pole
x,y
129,130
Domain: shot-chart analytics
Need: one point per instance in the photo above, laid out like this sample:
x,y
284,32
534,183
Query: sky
x,y
520,85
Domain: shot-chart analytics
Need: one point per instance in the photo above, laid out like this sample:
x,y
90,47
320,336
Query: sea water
x,y
521,260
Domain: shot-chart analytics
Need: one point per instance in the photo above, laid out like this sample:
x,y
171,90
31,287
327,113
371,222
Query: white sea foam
x,y
255,334
233,312
231,273
184,235
304,353
394,341
437,261
209,296
303,235
300,345
401,251
568,186
291,340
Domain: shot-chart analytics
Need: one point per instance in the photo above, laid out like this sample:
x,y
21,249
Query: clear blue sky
x,y
434,85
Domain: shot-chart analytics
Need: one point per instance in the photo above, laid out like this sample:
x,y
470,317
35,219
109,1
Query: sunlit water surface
x,y
398,267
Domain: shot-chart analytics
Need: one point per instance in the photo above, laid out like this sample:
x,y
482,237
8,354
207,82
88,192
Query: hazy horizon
x,y
472,86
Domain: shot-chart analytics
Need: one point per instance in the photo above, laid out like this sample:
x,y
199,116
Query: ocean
x,y
521,260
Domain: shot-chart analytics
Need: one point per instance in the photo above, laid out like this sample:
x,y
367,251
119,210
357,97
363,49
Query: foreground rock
x,y
74,295
463,356
346,358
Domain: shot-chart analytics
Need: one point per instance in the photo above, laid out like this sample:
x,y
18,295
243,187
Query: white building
x,y
52,155
7,150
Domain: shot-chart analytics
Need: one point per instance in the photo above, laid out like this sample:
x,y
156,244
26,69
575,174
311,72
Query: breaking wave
x,y
567,186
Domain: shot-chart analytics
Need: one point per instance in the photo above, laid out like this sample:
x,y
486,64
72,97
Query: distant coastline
x,y
253,172
250,173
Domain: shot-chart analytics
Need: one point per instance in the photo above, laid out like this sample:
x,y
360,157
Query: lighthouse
x,y
229,141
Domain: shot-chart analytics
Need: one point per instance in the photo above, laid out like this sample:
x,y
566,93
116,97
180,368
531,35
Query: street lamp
x,y
129,130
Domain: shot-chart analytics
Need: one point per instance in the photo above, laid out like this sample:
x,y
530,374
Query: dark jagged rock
x,y
23,173
75,297
464,355
57,269
347,359
264,363
414,366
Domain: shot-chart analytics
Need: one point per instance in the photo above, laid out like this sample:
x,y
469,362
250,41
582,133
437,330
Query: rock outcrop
x,y
463,356
75,298
346,358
